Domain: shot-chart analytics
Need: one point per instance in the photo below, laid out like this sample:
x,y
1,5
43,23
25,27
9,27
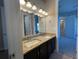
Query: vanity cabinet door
x,y
43,51
50,49
51,46
54,43
32,54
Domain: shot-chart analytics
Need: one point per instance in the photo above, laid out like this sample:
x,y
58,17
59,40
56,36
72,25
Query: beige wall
x,y
51,20
42,24
50,24
52,8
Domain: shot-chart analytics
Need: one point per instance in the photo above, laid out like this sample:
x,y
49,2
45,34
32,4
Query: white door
x,y
14,28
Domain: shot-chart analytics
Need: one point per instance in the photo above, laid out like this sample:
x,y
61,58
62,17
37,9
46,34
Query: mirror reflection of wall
x,y
31,24
27,25
42,25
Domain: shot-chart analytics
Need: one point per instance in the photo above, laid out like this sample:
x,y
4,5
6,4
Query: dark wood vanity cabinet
x,y
33,54
51,46
43,51
50,49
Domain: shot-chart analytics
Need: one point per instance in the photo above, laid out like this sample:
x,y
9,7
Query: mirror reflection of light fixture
x,y
28,4
40,15
24,10
46,13
36,13
34,7
29,11
43,12
22,2
40,11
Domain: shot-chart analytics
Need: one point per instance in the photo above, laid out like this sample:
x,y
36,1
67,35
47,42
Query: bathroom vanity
x,y
39,47
38,43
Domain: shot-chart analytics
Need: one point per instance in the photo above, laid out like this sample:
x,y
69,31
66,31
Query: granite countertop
x,y
35,41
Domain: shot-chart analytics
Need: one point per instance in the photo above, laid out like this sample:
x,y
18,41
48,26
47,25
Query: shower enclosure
x,y
68,32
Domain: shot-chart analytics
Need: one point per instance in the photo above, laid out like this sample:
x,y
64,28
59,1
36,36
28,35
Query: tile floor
x,y
57,55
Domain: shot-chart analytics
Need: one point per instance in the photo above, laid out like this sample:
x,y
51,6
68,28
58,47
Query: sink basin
x,y
31,43
47,37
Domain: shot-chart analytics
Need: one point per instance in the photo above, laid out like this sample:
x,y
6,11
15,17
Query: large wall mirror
x,y
31,24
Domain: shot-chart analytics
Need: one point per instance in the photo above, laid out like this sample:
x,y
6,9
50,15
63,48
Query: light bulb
x,y
34,7
43,12
22,2
28,4
46,13
40,11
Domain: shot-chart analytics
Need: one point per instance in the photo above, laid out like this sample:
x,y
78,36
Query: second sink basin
x,y
31,43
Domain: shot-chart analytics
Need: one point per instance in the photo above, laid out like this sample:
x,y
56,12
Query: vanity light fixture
x,y
34,7
40,11
28,4
22,2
